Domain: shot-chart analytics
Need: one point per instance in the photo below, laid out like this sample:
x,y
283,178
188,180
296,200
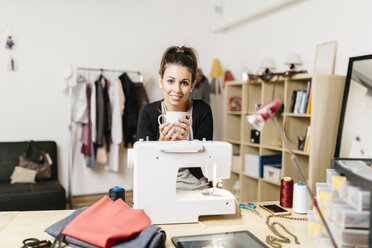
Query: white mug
x,y
172,116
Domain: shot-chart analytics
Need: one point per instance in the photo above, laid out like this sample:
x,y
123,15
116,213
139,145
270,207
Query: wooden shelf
x,y
234,83
252,177
233,141
250,144
272,148
297,115
298,152
327,92
234,113
268,181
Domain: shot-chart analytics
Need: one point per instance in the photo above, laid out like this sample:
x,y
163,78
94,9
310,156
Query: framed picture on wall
x,y
325,58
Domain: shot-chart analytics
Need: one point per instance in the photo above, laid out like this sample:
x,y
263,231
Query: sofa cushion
x,y
43,195
23,175
9,157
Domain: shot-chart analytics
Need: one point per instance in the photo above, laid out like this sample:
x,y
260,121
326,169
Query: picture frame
x,y
325,58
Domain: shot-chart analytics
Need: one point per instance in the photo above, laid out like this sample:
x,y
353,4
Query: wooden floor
x,y
87,200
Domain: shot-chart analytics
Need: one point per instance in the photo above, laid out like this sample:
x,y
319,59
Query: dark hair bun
x,y
184,56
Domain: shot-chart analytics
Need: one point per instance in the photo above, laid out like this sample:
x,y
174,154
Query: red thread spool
x,y
286,192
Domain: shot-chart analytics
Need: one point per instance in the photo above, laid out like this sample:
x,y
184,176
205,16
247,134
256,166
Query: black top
x,y
202,124
202,121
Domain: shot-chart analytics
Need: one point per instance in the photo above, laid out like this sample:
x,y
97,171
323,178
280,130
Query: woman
x,y
177,78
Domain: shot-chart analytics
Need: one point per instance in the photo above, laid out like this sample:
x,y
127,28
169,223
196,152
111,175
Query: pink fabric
x,y
106,221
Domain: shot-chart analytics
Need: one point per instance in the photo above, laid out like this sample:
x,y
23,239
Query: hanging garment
x,y
93,111
135,99
79,106
68,76
86,137
107,221
122,96
116,128
103,112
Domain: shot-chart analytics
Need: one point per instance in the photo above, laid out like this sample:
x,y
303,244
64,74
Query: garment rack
x,y
70,169
108,70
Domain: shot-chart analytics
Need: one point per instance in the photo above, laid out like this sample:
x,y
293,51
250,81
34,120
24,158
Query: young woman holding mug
x,y
177,78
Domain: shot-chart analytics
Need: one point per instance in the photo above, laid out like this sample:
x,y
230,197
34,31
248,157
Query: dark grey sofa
x,y
44,195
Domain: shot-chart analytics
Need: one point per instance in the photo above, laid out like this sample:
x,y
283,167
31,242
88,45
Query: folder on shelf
x,y
308,109
269,160
293,101
306,146
308,91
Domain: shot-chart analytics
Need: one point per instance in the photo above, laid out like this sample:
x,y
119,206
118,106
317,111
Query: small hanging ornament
x,y
12,64
9,43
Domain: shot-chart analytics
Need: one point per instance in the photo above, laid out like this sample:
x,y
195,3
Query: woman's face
x,y
176,86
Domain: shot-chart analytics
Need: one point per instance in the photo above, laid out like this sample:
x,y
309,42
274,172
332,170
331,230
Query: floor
x,y
87,200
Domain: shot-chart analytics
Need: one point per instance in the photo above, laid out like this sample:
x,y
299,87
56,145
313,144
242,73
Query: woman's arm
x,y
203,122
145,126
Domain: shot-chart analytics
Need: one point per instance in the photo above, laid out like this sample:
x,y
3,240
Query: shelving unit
x,y
327,92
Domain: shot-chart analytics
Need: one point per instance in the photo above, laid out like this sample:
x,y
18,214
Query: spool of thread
x,y
117,192
286,192
300,198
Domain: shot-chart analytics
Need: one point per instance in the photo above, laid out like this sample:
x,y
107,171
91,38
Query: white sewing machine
x,y
156,164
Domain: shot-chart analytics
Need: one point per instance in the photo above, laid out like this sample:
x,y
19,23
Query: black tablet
x,y
222,240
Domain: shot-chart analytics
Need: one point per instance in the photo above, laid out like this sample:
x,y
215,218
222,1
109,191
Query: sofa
x,y
45,194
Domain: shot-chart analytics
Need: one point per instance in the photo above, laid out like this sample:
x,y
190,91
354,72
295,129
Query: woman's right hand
x,y
167,133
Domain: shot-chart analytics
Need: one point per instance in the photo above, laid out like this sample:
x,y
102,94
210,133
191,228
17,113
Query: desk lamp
x,y
267,64
263,114
292,60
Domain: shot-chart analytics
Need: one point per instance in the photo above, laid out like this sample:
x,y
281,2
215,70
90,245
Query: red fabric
x,y
105,221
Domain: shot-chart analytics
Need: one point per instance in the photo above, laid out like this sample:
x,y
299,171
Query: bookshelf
x,y
327,92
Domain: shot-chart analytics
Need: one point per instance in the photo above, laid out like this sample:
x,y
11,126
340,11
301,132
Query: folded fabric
x,y
106,221
151,237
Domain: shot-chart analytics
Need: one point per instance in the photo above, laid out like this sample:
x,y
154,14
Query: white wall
x,y
129,35
132,35
299,28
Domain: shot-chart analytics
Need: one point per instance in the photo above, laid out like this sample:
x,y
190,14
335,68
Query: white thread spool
x,y
300,199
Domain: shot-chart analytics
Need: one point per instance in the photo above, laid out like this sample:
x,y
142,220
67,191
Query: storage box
x,y
358,199
330,173
252,165
269,160
349,237
350,218
322,187
272,173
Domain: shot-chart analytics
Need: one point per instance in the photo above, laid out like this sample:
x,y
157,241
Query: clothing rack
x,y
140,74
108,70
70,158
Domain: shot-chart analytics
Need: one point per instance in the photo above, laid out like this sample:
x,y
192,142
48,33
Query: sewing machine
x,y
156,164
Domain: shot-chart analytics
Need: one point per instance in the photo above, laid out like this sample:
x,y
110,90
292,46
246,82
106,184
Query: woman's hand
x,y
166,132
175,131
182,128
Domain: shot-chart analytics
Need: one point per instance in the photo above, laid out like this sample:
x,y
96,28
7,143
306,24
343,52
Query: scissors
x,y
250,206
35,243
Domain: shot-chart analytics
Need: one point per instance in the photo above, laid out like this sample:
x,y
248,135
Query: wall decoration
x,y
325,58
10,45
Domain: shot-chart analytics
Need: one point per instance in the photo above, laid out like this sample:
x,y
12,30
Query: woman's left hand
x,y
182,128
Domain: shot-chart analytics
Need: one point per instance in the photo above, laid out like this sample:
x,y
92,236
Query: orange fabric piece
x,y
105,221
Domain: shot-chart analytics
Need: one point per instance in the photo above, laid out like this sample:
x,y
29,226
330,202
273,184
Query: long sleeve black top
x,y
202,124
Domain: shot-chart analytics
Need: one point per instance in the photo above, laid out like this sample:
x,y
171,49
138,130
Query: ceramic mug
x,y
172,116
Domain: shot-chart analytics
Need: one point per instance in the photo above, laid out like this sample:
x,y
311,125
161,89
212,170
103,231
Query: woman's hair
x,y
183,56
